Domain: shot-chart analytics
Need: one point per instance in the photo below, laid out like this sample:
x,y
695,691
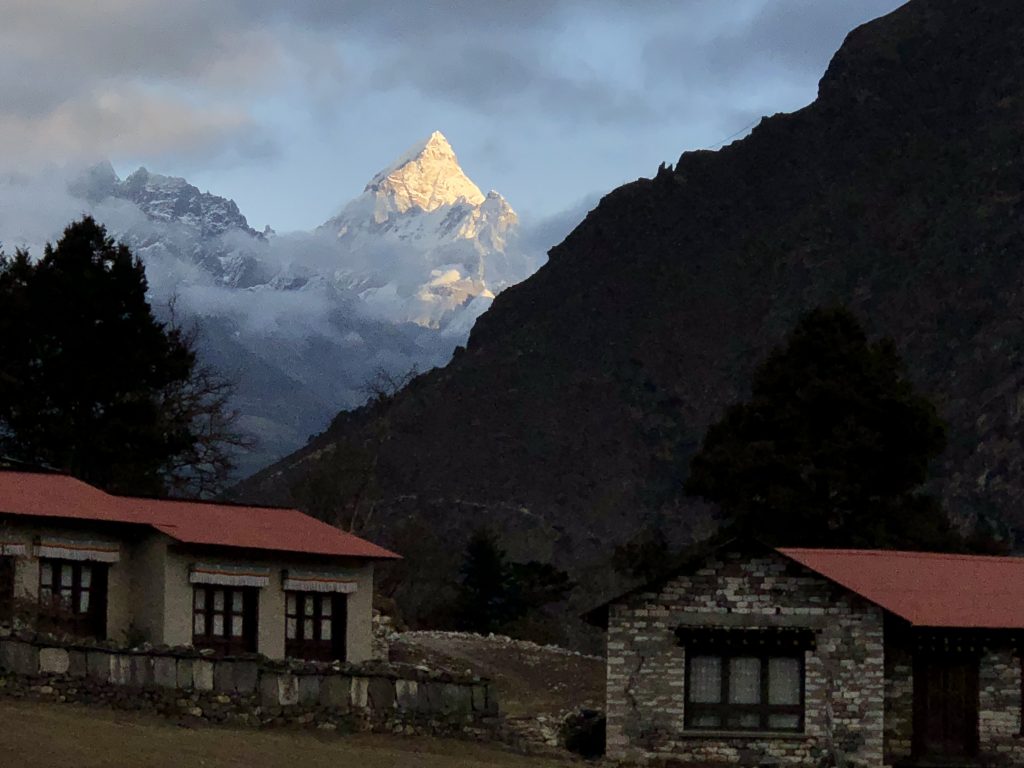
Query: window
x,y
225,618
315,625
73,597
745,692
6,588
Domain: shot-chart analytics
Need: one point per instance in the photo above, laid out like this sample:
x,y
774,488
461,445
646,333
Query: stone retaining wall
x,y
251,691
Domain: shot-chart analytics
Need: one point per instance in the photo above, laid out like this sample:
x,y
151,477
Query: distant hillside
x,y
569,420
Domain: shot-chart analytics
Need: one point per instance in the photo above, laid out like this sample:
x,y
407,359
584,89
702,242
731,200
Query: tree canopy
x,y
832,448
91,383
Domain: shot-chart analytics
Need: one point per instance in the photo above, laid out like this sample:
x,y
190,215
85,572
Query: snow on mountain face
x,y
303,320
459,245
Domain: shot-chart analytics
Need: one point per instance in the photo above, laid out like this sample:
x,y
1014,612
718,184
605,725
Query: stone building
x,y
80,562
758,656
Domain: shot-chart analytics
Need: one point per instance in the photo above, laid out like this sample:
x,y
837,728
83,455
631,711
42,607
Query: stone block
x,y
77,666
336,692
19,658
246,676
142,670
360,692
183,669
97,665
202,675
287,690
406,694
53,661
223,676
309,689
120,669
479,698
381,694
165,672
268,690
456,699
429,696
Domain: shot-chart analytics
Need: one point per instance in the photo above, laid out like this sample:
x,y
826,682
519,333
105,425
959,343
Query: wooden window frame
x,y
723,709
7,581
227,644
56,617
316,648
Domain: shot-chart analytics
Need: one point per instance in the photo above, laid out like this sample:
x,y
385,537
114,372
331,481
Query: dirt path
x,y
38,735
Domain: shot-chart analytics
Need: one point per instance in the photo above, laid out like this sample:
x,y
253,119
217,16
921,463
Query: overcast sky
x,y
290,107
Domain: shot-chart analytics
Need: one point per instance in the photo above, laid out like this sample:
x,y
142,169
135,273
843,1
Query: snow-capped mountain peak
x,y
426,176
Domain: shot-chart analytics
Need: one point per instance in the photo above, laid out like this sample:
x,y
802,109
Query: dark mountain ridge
x,y
569,420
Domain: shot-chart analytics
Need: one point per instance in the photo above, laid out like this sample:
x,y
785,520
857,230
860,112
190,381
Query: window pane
x,y
83,601
307,629
236,626
289,631
218,600
706,679
290,603
86,576
783,681
706,721
45,595
309,605
325,606
745,721
325,629
46,574
199,624
744,681
236,602
66,576
783,722
218,625
199,598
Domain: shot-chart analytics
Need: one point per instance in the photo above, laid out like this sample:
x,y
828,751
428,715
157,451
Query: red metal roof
x,y
226,525
928,589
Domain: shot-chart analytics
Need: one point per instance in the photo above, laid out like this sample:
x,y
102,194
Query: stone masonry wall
x,y
999,709
646,667
251,691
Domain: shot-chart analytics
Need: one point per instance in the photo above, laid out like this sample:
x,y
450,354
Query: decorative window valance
x,y
714,638
13,548
318,581
229,575
78,549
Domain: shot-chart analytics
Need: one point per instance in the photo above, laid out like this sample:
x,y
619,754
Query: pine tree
x,y
831,449
92,384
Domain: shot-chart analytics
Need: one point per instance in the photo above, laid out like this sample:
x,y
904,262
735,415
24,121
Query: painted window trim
x,y
319,581
55,548
229,575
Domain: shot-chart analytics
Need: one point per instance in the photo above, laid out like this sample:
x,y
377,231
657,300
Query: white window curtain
x,y
744,680
784,681
706,680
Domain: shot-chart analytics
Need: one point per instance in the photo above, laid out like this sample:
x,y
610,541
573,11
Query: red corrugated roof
x,y
226,525
928,589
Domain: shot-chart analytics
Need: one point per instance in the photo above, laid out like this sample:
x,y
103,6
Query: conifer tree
x,y
831,449
91,383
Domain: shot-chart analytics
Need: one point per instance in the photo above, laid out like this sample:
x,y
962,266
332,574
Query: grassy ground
x,y
38,735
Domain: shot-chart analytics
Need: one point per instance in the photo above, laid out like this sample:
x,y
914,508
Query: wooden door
x,y
946,707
